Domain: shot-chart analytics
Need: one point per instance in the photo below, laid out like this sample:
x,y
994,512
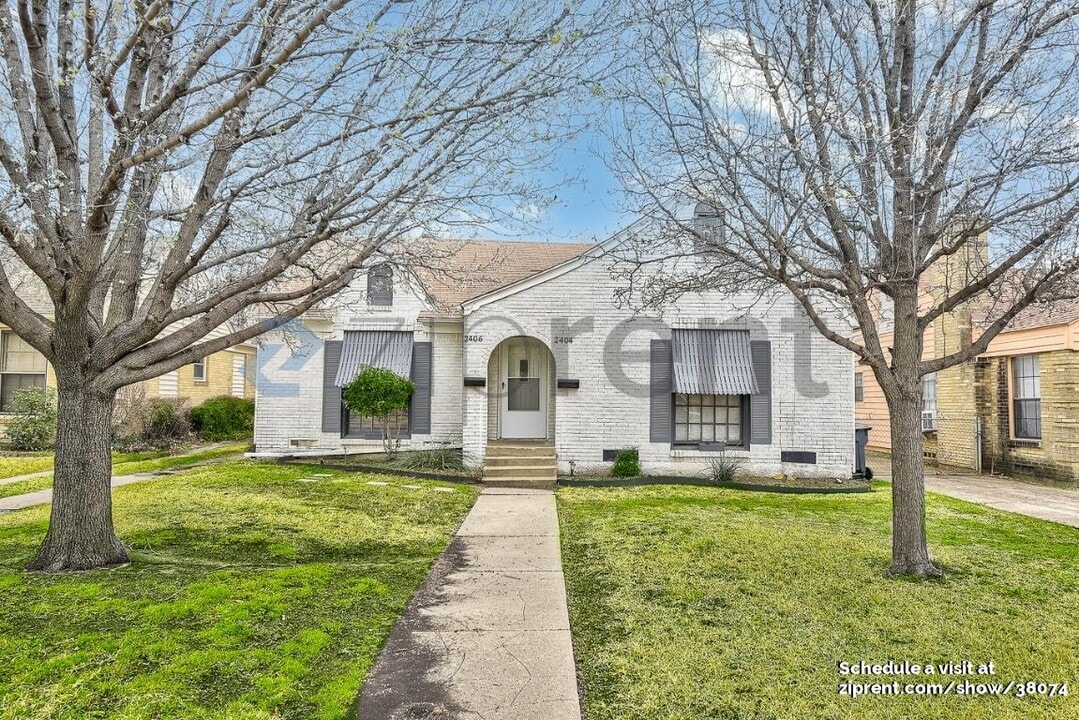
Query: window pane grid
x,y
708,418
21,366
1026,392
367,424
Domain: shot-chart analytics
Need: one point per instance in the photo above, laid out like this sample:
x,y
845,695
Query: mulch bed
x,y
806,486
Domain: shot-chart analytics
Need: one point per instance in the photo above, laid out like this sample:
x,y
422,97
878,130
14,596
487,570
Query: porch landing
x,y
520,464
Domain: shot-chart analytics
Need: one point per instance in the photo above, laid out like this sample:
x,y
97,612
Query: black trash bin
x,y
861,439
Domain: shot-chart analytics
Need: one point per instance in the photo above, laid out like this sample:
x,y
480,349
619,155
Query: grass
x,y
25,486
251,595
153,463
14,465
691,602
130,464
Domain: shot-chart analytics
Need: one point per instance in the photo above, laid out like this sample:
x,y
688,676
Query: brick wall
x,y
575,316
955,442
288,413
607,350
1056,455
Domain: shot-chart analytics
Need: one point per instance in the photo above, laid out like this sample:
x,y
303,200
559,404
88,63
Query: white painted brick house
x,y
527,342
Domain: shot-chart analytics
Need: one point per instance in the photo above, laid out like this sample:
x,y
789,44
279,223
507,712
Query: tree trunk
x,y
910,551
81,534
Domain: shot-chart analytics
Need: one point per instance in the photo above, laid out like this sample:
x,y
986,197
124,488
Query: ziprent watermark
x,y
963,678
575,342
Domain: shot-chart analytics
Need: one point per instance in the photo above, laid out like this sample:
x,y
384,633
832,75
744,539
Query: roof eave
x,y
550,273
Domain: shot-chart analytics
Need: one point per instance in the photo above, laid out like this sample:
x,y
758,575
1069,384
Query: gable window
x,y
859,387
709,228
1027,397
929,402
380,285
708,418
198,370
21,366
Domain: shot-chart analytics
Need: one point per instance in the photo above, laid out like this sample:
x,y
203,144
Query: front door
x,y
524,389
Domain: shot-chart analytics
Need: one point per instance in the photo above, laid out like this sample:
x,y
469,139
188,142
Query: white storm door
x,y
524,390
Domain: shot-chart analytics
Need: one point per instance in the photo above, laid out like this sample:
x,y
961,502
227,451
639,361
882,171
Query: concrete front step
x,y
543,471
520,482
507,449
504,460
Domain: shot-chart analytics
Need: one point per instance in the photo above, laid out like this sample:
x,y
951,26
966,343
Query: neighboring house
x,y
528,343
229,372
1015,408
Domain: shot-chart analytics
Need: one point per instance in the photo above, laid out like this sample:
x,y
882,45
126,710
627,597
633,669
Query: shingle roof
x,y
1043,314
468,269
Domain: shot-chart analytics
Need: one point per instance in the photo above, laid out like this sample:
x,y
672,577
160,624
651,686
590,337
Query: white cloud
x,y
740,84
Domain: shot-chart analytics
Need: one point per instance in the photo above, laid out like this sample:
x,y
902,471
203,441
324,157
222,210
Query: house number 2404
x,y
563,340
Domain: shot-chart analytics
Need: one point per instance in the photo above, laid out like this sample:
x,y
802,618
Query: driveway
x,y
1037,501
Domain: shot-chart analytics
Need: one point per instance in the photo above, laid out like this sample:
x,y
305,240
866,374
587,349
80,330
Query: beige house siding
x,y
982,389
220,380
873,408
220,370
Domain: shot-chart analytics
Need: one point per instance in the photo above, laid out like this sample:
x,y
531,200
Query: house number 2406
x,y
473,338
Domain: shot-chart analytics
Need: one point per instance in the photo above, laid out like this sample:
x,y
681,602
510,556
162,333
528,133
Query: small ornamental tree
x,y
379,394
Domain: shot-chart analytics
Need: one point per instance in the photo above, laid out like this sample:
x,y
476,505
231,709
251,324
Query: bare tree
x,y
845,149
169,163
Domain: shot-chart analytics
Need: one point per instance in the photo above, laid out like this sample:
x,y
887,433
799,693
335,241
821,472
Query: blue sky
x,y
588,209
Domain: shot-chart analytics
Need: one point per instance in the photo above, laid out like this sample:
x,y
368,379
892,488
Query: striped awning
x,y
386,349
713,362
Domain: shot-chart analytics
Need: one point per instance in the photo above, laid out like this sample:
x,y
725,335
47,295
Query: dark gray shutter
x,y
420,410
331,394
659,392
760,405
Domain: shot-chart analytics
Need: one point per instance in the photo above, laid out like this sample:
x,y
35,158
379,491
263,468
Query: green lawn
x,y
129,464
12,465
696,603
251,595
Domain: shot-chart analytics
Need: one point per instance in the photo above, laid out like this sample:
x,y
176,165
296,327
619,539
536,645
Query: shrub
x,y
626,464
141,423
167,421
435,459
724,469
34,424
379,394
224,418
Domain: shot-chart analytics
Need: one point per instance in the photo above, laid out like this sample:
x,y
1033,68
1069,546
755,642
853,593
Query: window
x,y
859,388
21,366
708,418
380,285
198,370
929,402
367,427
709,228
1027,397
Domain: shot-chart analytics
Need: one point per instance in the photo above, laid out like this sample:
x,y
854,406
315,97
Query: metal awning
x,y
386,349
713,362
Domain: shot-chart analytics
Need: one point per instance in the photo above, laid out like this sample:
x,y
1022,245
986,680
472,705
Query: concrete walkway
x,y
487,635
28,476
1037,501
40,497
